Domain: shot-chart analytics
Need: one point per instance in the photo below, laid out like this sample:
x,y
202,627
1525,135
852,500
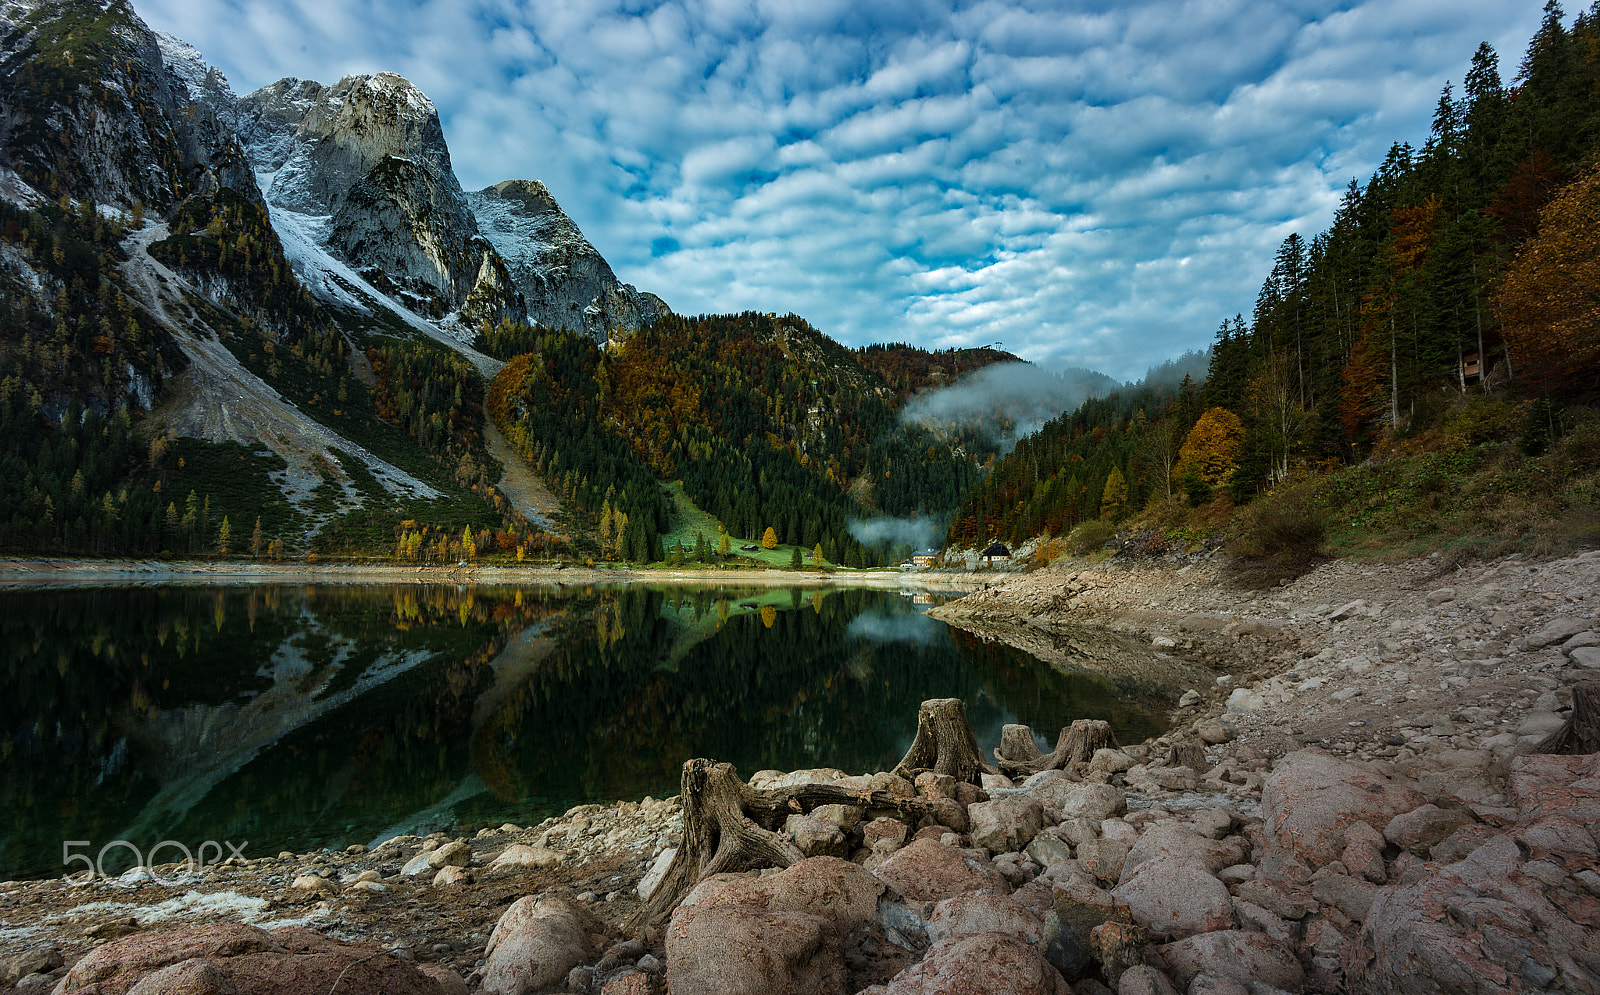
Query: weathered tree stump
x,y
1017,750
944,743
1190,754
729,826
1581,733
1018,756
1084,737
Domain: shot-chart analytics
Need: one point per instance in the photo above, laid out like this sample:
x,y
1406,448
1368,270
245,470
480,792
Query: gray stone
x,y
534,945
1048,848
1352,896
1422,827
1311,798
658,870
1539,723
1581,640
1256,919
1111,761
1558,630
520,858
1103,858
369,154
1080,800
928,871
779,953
1172,896
884,834
1214,823
1076,831
1184,841
1587,657
1206,984
1232,953
1006,824
846,817
1460,927
1215,731
454,854
980,964
19,966
1142,979
967,914
817,837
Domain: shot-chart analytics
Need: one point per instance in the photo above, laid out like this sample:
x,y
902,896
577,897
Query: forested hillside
x,y
768,423
1450,305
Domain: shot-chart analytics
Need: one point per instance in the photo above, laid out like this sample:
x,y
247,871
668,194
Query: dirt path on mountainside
x,y
521,486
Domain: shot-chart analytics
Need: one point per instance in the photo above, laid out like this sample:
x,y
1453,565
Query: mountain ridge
x,y
282,311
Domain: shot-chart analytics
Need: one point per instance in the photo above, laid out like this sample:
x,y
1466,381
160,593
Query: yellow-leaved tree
x,y
1550,300
769,539
1211,450
1114,496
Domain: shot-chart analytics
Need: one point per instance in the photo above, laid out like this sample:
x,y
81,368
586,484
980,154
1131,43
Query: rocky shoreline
x,y
1351,804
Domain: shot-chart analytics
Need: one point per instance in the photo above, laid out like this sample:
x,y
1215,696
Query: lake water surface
x,y
296,717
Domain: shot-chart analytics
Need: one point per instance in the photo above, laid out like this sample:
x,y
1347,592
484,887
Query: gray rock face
x,y
565,282
368,153
69,123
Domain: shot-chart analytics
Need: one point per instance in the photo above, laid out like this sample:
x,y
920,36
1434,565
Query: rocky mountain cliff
x,y
90,108
565,282
368,155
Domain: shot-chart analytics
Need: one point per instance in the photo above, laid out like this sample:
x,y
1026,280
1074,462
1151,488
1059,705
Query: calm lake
x,y
297,717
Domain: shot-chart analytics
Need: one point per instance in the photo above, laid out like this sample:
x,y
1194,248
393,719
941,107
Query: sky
x,y
1086,184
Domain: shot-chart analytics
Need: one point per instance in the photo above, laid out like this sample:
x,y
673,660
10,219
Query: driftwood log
x,y
1581,732
729,826
944,744
1019,756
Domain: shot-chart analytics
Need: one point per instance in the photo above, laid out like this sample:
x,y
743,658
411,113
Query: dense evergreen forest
x,y
82,361
768,423
1466,267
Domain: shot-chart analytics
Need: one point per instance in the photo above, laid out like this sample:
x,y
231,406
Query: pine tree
x,y
224,536
256,539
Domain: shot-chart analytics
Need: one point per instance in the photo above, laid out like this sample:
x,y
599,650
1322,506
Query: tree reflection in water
x,y
296,717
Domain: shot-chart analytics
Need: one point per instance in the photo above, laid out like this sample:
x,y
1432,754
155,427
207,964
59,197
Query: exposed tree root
x,y
1581,733
729,826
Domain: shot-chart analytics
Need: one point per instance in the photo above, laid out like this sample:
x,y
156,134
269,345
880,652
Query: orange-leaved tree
x,y
1211,450
1550,300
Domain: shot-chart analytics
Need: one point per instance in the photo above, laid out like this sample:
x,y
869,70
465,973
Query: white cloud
x,y
1094,186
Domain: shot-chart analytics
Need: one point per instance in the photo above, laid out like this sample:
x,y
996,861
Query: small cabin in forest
x,y
996,551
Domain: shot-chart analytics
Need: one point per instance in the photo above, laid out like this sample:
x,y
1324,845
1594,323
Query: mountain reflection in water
x,y
298,717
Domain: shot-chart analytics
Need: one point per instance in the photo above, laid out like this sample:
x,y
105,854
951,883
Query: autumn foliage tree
x,y
1211,449
1550,300
1115,495
769,538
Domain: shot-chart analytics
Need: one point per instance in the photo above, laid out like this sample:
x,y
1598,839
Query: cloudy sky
x,y
1089,183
